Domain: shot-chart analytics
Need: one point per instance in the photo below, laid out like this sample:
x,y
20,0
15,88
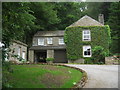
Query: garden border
x,y
79,84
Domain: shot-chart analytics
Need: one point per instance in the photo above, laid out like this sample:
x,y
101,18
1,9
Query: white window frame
x,y
50,40
23,55
86,35
39,41
61,41
84,49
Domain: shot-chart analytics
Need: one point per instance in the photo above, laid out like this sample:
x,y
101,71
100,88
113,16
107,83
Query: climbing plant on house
x,y
100,36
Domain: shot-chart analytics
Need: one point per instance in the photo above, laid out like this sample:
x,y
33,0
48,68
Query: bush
x,y
88,61
73,58
49,59
98,55
6,72
19,58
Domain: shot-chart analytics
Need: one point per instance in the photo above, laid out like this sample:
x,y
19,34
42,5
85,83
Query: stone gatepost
x,y
31,56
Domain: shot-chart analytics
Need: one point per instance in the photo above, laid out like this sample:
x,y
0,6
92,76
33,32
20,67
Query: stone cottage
x,y
48,44
84,35
17,49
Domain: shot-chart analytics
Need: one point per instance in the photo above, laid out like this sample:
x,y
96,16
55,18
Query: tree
x,y
45,14
96,8
114,22
17,20
68,13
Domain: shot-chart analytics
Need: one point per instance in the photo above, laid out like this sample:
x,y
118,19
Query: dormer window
x,y
61,41
49,40
40,41
86,35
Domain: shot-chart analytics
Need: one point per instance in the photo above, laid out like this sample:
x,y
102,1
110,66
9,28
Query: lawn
x,y
43,76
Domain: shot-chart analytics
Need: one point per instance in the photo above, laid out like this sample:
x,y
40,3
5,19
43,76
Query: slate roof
x,y
86,21
19,42
50,33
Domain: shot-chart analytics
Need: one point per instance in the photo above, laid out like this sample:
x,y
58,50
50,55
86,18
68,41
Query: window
x,y
49,40
23,54
86,35
34,42
19,51
86,51
41,41
61,40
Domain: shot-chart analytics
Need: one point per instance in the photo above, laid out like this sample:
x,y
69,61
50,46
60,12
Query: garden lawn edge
x,y
79,84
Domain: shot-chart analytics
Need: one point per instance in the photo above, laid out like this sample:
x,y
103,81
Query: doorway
x,y
40,56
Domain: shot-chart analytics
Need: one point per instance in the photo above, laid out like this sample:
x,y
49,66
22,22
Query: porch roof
x,y
47,47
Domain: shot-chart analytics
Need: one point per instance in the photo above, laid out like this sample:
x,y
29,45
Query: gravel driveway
x,y
100,76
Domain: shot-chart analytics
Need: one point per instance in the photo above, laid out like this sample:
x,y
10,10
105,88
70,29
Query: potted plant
x,y
49,60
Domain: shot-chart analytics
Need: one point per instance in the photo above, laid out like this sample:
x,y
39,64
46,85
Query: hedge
x,y
100,36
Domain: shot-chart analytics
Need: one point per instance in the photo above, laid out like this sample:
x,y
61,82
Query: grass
x,y
43,76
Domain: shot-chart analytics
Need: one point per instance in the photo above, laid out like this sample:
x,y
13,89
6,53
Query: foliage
x,y
94,11
49,59
46,15
6,71
17,21
68,12
114,22
88,60
98,55
19,58
100,36
96,8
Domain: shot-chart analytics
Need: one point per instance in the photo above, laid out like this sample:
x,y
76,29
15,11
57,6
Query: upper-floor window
x,y
49,40
87,51
40,41
61,40
86,35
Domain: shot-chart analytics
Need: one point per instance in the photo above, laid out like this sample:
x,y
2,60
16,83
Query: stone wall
x,y
50,53
31,56
112,60
77,61
14,50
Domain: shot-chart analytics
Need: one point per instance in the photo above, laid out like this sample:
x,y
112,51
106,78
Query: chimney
x,y
101,18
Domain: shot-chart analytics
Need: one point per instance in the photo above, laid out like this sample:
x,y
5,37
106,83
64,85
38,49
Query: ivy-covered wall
x,y
100,36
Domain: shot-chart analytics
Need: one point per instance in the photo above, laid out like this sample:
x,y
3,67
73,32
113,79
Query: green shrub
x,y
19,58
88,60
6,72
98,55
73,58
49,59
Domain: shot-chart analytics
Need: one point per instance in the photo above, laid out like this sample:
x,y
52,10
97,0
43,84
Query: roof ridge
x,y
86,21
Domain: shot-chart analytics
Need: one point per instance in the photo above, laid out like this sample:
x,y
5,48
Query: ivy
x,y
100,36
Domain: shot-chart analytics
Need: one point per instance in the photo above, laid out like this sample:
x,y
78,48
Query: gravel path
x,y
100,76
